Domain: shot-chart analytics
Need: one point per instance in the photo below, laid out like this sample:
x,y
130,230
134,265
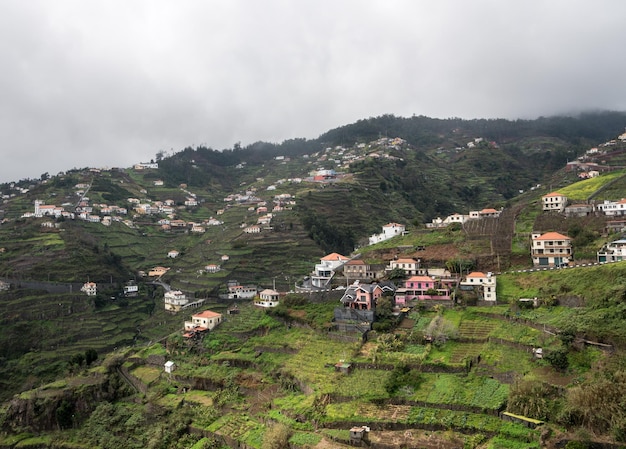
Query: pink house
x,y
420,288
362,296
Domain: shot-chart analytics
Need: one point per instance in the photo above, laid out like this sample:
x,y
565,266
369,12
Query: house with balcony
x,y
553,202
484,285
614,251
422,287
551,249
267,298
362,296
357,269
202,322
325,270
175,300
412,267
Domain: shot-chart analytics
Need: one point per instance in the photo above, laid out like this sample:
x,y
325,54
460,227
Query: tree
x,y
440,330
459,265
397,274
91,355
402,377
384,307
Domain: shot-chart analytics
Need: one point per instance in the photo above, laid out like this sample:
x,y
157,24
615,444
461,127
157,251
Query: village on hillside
x,y
405,279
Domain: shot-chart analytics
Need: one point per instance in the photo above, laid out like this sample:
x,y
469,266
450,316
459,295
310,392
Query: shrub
x,y
558,359
276,437
402,377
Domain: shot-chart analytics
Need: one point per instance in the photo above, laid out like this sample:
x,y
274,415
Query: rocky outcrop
x,y
46,409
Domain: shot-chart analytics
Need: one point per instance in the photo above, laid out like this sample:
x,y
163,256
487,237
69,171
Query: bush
x,y
276,437
402,377
558,359
382,326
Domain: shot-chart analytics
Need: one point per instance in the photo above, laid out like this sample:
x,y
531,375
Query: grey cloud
x,y
110,83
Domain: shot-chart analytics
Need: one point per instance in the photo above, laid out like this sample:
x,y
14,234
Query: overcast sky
x,y
97,83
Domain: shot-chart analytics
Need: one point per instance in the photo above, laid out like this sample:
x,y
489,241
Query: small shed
x,y
358,435
343,367
169,366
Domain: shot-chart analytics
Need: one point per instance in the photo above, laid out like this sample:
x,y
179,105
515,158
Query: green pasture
x,y
582,190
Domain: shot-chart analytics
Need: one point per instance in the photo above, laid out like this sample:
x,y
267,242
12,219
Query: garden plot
x,y
476,330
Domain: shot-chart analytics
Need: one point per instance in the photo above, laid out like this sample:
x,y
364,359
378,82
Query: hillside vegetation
x,y
82,371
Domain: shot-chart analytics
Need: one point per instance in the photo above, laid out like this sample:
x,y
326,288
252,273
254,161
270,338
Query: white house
x,y
175,300
212,268
612,208
325,270
390,230
203,321
173,254
254,229
484,284
131,289
613,251
242,292
267,298
550,249
553,202
410,266
90,288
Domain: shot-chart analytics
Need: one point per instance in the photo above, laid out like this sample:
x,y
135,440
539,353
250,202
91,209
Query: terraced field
x,y
476,329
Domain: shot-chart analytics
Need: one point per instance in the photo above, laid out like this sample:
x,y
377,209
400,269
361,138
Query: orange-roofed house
x,y
551,249
488,213
553,202
325,270
483,284
158,271
203,321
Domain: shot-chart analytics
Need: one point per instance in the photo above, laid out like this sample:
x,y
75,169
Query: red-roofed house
x,y
554,202
551,249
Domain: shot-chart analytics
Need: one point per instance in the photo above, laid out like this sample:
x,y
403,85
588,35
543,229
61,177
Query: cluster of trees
x,y
331,238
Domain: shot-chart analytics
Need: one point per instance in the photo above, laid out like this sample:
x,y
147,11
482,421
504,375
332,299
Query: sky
x,y
109,83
